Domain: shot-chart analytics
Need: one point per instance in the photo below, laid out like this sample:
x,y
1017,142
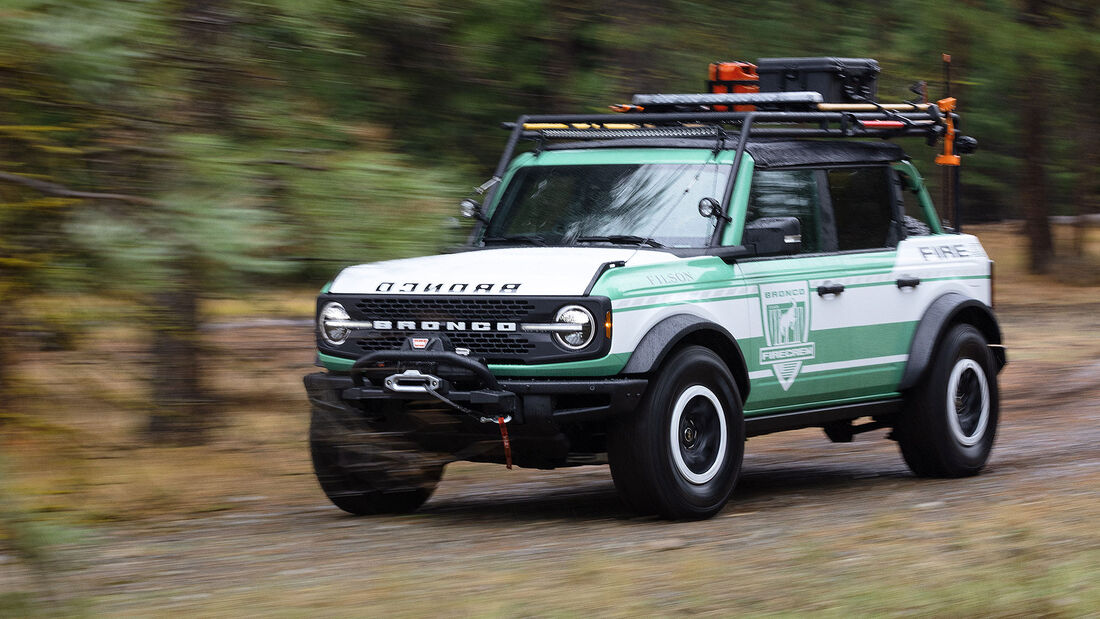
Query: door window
x,y
916,220
788,193
863,208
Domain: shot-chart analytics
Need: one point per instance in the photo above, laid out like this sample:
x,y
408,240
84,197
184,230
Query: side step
x,y
820,417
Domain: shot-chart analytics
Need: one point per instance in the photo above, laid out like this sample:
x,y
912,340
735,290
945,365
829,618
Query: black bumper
x,y
559,400
554,422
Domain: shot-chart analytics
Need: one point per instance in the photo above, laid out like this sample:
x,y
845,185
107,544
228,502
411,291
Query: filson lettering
x,y
457,288
666,279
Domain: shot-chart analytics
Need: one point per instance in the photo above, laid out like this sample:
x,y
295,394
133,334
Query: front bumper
x,y
414,375
554,422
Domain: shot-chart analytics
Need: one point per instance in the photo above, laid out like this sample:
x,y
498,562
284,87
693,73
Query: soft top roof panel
x,y
766,153
814,152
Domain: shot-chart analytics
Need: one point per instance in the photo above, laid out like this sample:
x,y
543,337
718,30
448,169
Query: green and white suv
x,y
649,291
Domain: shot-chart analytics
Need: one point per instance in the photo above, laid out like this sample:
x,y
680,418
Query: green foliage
x,y
34,541
274,140
211,213
367,205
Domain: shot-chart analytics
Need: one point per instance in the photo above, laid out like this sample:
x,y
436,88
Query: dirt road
x,y
813,527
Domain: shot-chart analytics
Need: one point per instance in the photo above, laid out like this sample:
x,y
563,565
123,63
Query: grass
x,y
1016,286
916,567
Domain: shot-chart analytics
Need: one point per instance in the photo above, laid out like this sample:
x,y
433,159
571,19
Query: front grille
x,y
433,308
443,309
481,344
492,345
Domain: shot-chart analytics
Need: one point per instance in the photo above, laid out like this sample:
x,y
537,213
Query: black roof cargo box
x,y
839,80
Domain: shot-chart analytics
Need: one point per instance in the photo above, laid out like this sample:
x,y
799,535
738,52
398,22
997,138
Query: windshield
x,y
565,204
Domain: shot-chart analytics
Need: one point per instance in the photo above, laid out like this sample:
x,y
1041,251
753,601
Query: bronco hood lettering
x,y
509,271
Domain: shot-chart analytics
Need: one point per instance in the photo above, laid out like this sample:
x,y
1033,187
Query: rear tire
x,y
365,472
950,417
679,455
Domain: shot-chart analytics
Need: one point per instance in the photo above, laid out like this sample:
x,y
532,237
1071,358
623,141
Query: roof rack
x,y
772,115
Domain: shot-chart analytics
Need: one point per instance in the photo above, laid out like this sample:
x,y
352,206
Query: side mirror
x,y
472,209
773,236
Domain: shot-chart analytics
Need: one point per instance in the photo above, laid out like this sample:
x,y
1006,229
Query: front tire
x,y
679,455
950,418
365,472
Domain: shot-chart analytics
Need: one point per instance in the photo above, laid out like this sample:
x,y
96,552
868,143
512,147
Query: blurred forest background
x,y
166,163
162,152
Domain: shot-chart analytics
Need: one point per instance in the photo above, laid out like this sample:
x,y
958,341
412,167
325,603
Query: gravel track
x,y
483,516
512,536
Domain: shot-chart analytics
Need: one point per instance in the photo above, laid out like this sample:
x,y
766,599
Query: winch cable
x,y
501,421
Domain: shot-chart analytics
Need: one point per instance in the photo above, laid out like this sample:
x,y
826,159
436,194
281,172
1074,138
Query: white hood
x,y
527,271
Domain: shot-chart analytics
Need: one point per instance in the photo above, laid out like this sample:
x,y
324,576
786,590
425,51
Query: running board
x,y
818,417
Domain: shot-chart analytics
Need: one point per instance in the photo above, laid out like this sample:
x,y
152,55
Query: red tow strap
x,y
507,443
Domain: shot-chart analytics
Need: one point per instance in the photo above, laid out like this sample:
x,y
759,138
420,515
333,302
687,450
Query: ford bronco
x,y
649,289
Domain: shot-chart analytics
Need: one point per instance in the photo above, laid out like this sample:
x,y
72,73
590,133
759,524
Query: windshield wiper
x,y
517,239
619,239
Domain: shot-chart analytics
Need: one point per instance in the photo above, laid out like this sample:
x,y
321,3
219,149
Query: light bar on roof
x,y
639,132
734,98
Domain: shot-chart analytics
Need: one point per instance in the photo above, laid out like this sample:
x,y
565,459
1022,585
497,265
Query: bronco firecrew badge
x,y
785,312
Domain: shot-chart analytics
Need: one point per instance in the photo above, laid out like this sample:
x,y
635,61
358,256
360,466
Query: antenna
x,y
947,75
949,160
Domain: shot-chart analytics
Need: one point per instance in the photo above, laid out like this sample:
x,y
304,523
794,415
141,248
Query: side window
x,y
916,222
788,193
863,208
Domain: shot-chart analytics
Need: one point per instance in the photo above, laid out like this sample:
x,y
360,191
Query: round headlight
x,y
580,336
333,334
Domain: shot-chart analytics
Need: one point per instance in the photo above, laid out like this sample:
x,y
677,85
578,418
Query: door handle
x,y
825,289
908,282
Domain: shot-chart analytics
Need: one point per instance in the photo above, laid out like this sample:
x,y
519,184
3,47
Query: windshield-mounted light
x,y
328,324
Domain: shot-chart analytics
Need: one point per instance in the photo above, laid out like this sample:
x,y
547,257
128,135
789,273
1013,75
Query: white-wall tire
x,y
679,442
656,467
966,375
949,421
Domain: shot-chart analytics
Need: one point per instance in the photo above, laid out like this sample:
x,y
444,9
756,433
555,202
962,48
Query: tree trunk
x,y
182,413
204,25
182,410
639,61
5,362
1033,188
1086,191
560,61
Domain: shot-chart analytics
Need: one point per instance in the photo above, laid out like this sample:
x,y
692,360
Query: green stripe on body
x,y
849,344
684,301
333,363
756,412
605,366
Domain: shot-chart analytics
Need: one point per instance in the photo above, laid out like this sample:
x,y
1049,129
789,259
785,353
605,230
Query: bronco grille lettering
x,y
435,325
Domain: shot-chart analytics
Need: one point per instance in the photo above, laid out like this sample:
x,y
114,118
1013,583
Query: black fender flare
x,y
669,333
944,312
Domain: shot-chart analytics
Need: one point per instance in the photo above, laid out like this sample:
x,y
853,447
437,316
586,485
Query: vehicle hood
x,y
526,271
